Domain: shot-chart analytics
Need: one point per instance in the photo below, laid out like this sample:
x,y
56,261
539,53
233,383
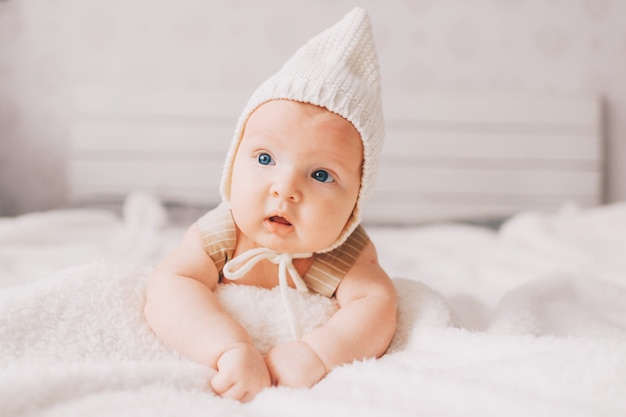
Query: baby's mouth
x,y
280,220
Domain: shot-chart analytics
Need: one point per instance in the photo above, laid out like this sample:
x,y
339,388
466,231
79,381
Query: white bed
x,y
525,319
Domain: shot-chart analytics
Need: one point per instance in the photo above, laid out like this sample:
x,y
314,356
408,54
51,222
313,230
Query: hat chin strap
x,y
242,264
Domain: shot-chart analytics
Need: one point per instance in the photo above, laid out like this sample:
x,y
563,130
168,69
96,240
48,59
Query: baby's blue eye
x,y
264,159
322,176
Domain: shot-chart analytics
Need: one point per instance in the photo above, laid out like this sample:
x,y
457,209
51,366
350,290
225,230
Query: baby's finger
x,y
220,383
237,392
226,388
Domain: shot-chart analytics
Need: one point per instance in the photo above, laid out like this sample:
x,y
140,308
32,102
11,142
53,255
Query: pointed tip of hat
x,y
356,13
339,44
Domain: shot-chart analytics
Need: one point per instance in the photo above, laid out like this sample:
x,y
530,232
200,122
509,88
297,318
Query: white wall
x,y
49,47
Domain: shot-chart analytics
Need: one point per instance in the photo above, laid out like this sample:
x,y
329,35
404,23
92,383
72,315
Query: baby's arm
x,y
362,327
185,313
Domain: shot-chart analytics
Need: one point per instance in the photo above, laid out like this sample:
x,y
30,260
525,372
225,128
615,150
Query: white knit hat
x,y
337,69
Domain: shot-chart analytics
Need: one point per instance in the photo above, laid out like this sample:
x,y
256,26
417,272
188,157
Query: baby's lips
x,y
281,220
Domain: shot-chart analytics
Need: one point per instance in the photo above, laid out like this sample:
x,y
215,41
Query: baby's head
x,y
296,176
333,80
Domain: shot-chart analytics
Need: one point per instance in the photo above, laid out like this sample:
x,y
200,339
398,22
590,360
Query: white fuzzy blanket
x,y
528,321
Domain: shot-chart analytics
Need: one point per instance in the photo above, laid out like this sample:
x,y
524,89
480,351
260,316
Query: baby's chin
x,y
292,246
292,249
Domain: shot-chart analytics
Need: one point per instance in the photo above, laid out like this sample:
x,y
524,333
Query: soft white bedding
x,y
528,321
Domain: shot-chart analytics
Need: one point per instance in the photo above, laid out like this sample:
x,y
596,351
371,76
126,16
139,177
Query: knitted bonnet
x,y
337,69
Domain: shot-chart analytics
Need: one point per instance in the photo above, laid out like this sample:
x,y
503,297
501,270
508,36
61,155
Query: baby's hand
x,y
241,373
295,364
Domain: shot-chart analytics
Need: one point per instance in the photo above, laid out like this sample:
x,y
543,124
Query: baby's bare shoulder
x,y
366,277
189,258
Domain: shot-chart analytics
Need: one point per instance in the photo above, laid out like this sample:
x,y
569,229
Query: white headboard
x,y
171,143
487,156
446,157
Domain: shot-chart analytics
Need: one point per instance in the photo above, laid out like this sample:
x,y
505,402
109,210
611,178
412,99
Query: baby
x,y
302,162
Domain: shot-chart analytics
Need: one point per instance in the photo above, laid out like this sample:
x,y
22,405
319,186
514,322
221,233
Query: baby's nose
x,y
287,187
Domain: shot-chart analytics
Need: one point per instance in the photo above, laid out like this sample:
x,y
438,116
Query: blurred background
x,y
50,47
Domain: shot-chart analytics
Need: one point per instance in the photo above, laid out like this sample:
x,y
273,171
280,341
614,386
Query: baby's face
x,y
296,176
